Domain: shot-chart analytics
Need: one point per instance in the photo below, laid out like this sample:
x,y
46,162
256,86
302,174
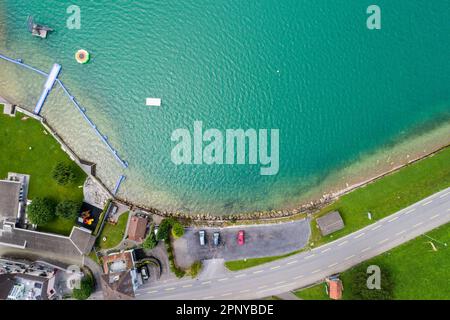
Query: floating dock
x,y
118,183
48,87
153,102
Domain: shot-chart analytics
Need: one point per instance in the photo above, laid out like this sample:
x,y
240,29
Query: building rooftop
x,y
335,289
118,286
330,223
9,199
137,228
118,262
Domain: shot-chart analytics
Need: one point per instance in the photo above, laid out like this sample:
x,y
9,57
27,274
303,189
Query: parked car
x,y
241,238
216,237
144,273
156,231
201,234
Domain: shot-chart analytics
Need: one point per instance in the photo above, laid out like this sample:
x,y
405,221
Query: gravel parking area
x,y
260,241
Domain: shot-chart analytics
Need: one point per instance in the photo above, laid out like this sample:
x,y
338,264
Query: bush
x,y
164,229
68,209
360,290
150,242
177,230
41,211
86,288
179,273
195,269
64,173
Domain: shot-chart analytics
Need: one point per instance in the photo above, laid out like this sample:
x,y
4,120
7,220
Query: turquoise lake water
x,y
311,69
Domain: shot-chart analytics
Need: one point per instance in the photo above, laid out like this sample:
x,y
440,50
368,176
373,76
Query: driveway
x,y
260,241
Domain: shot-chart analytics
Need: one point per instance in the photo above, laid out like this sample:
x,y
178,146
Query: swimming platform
x,y
52,78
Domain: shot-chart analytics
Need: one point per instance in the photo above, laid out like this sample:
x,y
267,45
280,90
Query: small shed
x,y
335,288
330,223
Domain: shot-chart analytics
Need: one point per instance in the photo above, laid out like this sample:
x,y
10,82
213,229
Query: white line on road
x,y
292,262
409,211
348,258
417,224
187,286
333,265
359,235
223,279
393,219
227,294
434,217
281,282
444,195
138,294
315,271
154,291
401,232
427,203
259,271
376,227
262,287
206,282
170,289
366,249
274,268
244,291
240,275
342,243
383,241
310,256
208,298
298,277
326,250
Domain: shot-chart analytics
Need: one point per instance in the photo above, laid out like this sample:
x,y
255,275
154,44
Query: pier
x,y
118,183
48,87
51,79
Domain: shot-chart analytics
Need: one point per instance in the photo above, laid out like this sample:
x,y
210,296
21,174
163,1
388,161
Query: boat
x,y
37,29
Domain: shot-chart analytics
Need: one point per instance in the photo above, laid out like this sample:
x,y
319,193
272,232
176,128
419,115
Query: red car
x,y
241,238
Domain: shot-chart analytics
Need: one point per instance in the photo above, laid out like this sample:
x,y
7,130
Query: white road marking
x,y
208,298
244,291
326,250
409,211
417,224
401,232
170,289
298,277
383,241
366,249
444,195
138,294
187,286
262,287
333,265
427,203
435,216
393,219
281,282
227,294
240,275
359,235
315,271
274,268
376,227
348,258
206,282
310,256
342,243
259,271
223,279
292,262
154,291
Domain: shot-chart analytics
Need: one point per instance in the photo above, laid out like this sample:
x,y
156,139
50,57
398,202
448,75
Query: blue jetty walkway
x,y
52,77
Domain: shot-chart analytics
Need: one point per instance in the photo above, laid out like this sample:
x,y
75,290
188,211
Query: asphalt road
x,y
309,267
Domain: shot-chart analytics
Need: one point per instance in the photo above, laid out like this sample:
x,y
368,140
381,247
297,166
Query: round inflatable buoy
x,y
82,56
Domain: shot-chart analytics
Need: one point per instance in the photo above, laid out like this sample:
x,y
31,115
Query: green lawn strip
x,y
15,156
387,195
317,292
237,265
58,225
418,272
113,233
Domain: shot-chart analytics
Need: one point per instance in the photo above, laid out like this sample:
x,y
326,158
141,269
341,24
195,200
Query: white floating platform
x,y
153,102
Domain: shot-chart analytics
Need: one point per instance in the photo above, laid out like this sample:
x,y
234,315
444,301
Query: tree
x,y
86,288
68,209
150,242
164,229
63,173
41,211
362,292
177,230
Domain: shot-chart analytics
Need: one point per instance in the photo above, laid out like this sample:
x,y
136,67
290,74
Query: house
x,y
334,287
137,228
9,200
330,223
120,279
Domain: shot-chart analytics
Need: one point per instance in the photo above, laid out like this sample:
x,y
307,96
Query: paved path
x,y
309,267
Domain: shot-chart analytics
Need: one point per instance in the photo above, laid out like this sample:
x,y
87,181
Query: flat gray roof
x,y
330,223
9,198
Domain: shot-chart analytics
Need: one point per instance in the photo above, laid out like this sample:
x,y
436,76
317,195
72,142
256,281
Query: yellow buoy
x,y
82,56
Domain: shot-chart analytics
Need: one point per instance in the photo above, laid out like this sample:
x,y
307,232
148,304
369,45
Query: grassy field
x,y
387,195
417,270
113,233
237,265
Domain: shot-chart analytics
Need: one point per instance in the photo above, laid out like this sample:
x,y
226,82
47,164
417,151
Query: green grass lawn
x,y
17,136
237,265
387,195
113,233
417,270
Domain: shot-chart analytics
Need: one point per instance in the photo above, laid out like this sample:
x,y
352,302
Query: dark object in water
x,y
37,29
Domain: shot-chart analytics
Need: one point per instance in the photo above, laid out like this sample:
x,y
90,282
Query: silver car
x,y
216,237
201,233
